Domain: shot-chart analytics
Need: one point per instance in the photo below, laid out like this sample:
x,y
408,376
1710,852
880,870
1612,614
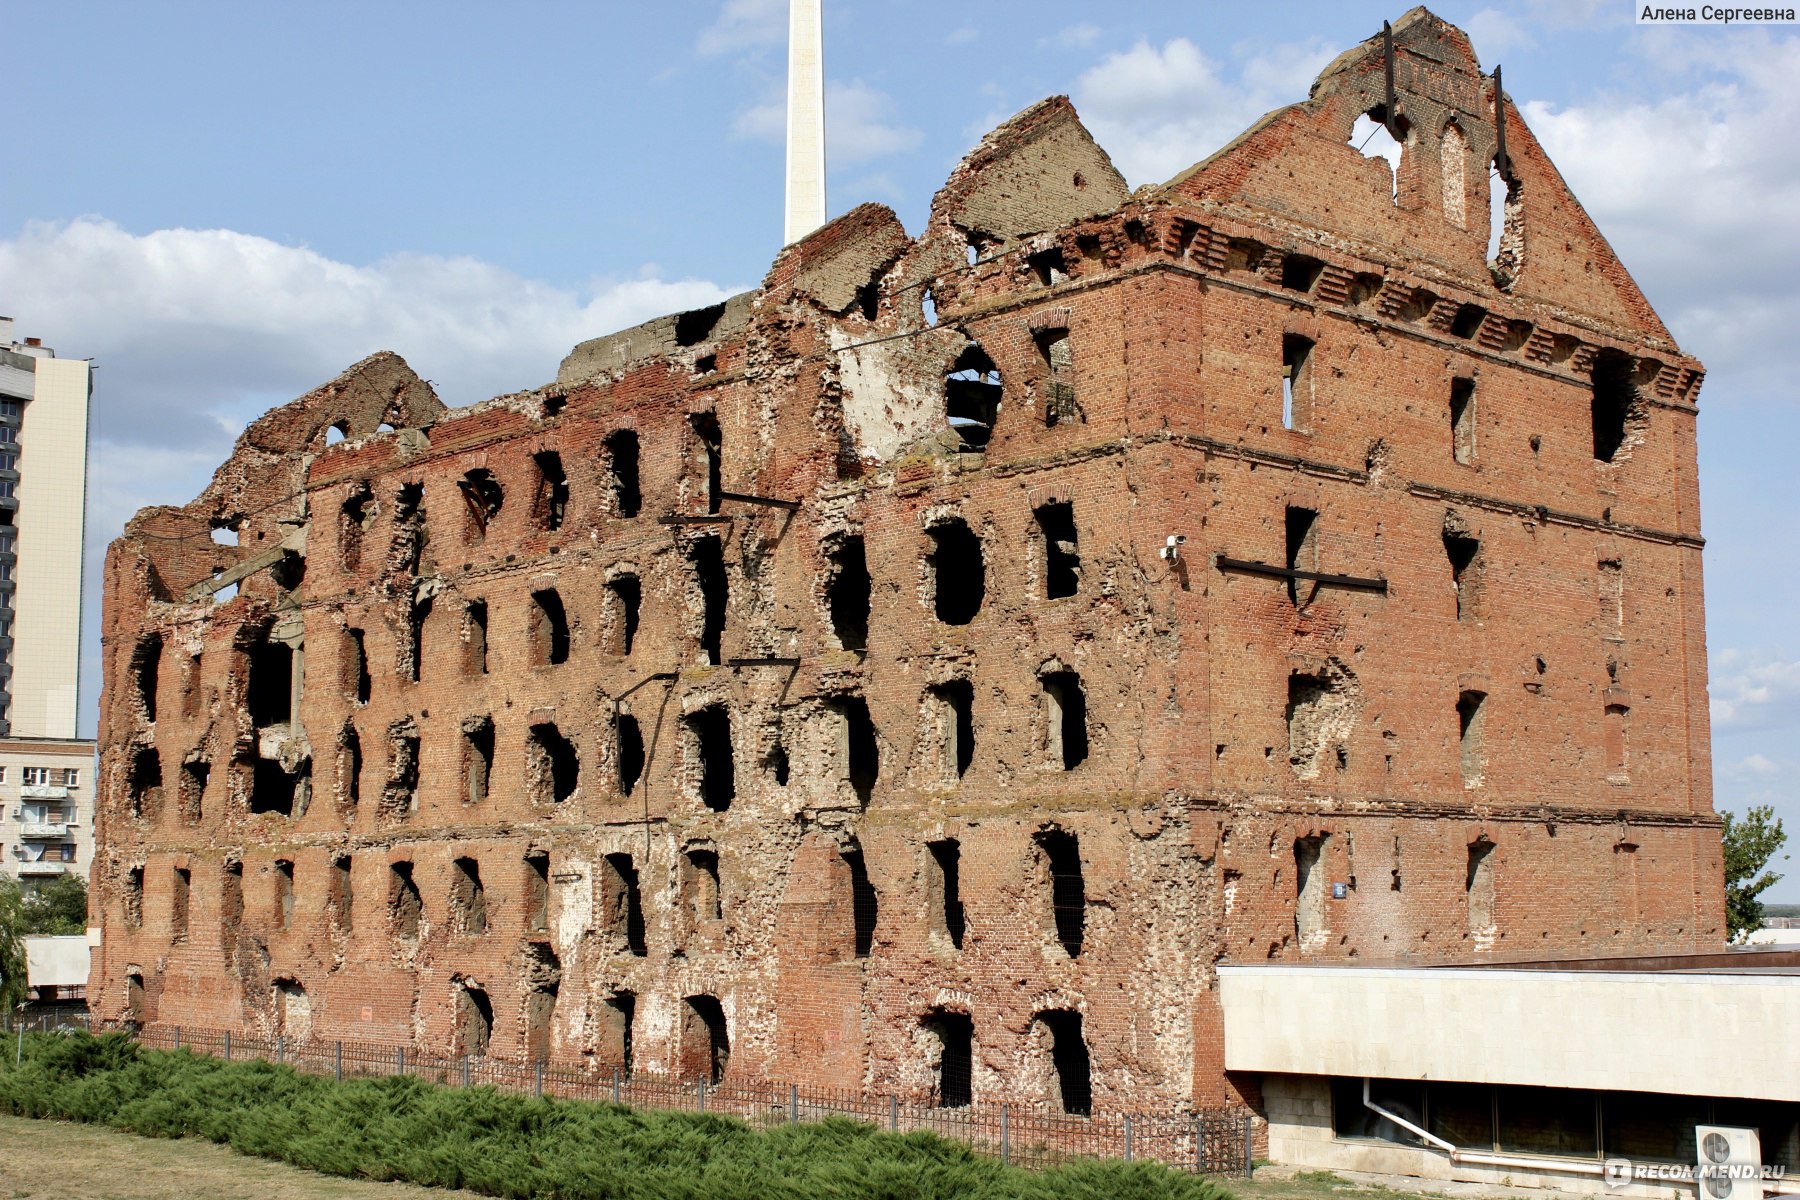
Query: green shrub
x,y
504,1145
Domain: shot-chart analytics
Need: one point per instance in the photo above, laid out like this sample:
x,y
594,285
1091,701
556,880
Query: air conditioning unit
x,y
1730,1162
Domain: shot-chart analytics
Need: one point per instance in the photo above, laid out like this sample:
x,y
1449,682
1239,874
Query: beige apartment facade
x,y
46,772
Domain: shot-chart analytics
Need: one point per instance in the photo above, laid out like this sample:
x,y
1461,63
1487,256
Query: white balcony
x,y
39,831
43,791
42,867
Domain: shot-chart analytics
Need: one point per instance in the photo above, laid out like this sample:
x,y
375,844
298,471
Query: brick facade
x,y
1486,720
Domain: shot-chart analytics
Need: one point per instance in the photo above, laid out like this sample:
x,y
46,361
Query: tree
x,y
57,907
12,945
1751,842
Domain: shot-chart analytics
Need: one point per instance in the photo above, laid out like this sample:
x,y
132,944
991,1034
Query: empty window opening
x,y
1612,597
468,899
972,395
958,573
618,1017
1471,711
284,894
868,299
1300,272
865,906
146,782
543,980
191,790
409,527
146,665
1243,254
709,738
1062,553
709,455
552,770
340,895
1296,382
696,325
549,628
928,308
478,758
1478,884
132,901
357,683
1462,420
1465,573
629,746
859,748
624,602
1364,287
268,692
705,1039
943,885
415,650
1048,266
847,591
777,763
350,762
336,433
482,497
703,885
400,797
1617,720
551,504
1309,890
707,557
1321,712
1467,321
474,1020
955,703
1517,334
1373,138
1069,1060
405,905
1419,305
1453,163
622,466
272,788
955,1036
1615,403
289,571
1059,376
225,532
231,897
622,906
134,998
1302,525
192,693
1506,228
1065,719
355,516
180,890
1061,853
475,638
537,893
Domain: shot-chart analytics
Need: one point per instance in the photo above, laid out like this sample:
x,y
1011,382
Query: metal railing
x,y
1034,1136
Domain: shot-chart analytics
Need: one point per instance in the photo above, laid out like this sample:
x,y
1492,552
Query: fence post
x,y
615,1085
1249,1143
538,1080
793,1104
281,1047
1127,1137
178,1037
340,1062
893,1113
228,1045
400,1059
465,1071
702,1093
1199,1148
1005,1133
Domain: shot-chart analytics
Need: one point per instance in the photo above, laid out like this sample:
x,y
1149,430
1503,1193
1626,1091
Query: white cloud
x,y
1078,37
1159,109
1493,32
1754,691
860,124
744,25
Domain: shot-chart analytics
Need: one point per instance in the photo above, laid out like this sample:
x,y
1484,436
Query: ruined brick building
x,y
918,673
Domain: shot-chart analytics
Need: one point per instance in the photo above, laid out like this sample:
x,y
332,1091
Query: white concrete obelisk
x,y
805,121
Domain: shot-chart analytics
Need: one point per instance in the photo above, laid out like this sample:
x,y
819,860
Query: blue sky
x,y
225,204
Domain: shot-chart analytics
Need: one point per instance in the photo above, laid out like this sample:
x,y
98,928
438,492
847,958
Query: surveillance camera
x,y
1177,539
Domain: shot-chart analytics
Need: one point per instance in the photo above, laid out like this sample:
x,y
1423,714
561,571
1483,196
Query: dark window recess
x,y
549,627
478,751
1402,1097
1068,887
622,465
958,574
133,900
972,394
405,905
709,731
400,797
1296,382
1614,403
350,763
552,769
341,896
146,665
179,894
1048,266
475,638
354,518
1464,554
709,453
944,887
1467,321
1065,717
1418,306
409,526
231,897
1069,1059
1470,710
629,746
623,905
868,299
284,893
703,885
289,571
543,980
847,592
552,501
1302,526
625,598
706,364
1462,420
268,693
777,764
1551,1121
865,907
1058,354
191,790
705,1039
482,497
1062,552
537,893
1299,272
356,666
146,783
617,1018
696,325
957,717
273,789
475,1020
955,1033
421,613
707,556
862,751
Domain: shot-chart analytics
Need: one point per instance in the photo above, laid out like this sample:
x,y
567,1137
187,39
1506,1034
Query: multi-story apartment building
x,y
46,772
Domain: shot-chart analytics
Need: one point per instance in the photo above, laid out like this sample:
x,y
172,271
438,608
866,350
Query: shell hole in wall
x,y
1370,135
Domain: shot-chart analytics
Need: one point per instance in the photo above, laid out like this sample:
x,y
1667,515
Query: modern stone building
x,y
920,673
46,772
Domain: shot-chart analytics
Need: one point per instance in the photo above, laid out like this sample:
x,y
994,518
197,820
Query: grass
x,y
502,1145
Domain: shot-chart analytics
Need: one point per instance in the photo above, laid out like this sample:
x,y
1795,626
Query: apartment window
x,y
36,777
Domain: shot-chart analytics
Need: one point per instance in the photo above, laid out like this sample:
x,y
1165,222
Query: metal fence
x,y
47,1020
1213,1143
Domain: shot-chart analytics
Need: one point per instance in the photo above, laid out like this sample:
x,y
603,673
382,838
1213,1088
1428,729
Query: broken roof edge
x,y
659,337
